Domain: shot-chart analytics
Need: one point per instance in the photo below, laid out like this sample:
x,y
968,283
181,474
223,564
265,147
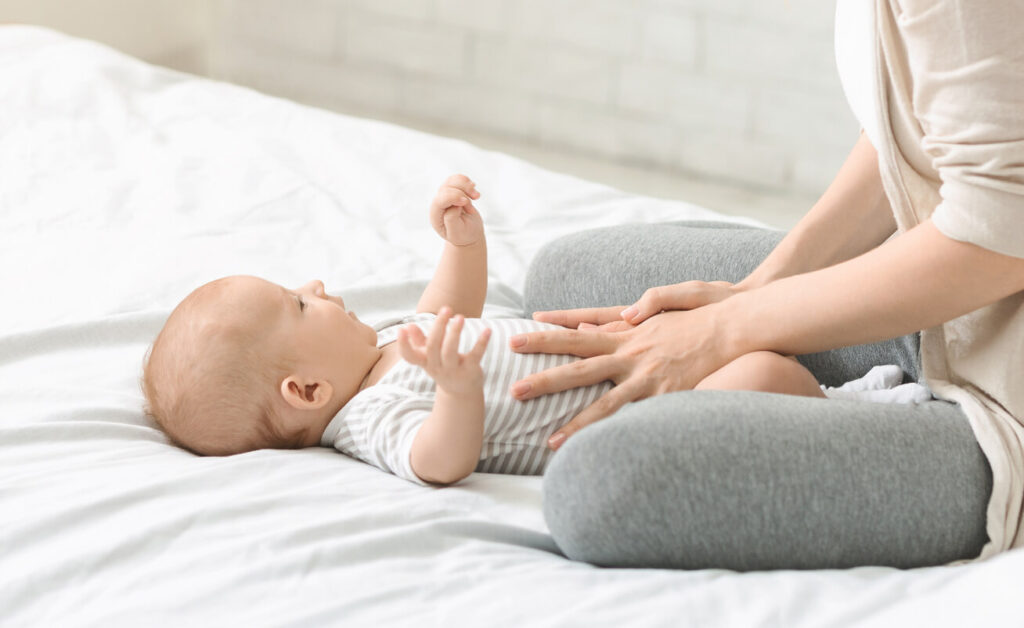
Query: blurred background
x,y
731,104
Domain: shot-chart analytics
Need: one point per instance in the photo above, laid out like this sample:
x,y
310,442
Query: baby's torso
x,y
515,432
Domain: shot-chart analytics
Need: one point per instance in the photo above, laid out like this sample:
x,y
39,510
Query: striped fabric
x,y
379,424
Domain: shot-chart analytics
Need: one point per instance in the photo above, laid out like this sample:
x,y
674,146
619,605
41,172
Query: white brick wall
x,y
735,90
174,33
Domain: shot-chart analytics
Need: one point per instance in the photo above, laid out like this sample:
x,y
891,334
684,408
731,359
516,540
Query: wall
x,y
743,91
174,33
736,91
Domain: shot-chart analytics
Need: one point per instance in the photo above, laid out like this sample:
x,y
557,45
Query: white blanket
x,y
124,186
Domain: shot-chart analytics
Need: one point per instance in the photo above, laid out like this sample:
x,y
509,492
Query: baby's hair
x,y
208,380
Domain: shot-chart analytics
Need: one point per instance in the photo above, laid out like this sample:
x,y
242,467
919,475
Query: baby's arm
x,y
447,446
460,280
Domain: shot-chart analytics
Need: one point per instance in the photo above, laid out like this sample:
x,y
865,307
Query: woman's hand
x,y
593,318
688,295
669,352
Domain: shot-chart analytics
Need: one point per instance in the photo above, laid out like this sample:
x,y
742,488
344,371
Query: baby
x,y
244,364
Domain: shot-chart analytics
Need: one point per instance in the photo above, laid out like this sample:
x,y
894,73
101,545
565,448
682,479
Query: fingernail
x,y
517,341
556,440
521,388
629,312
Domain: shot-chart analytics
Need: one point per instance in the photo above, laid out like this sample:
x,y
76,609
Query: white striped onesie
x,y
379,424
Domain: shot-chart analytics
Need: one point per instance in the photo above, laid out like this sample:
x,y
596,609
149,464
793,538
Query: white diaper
x,y
881,384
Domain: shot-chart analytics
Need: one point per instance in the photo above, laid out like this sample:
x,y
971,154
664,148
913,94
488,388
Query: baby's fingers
x,y
414,335
450,197
450,350
463,183
409,353
437,333
477,352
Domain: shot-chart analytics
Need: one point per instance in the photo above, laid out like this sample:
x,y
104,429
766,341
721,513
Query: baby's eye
x,y
302,305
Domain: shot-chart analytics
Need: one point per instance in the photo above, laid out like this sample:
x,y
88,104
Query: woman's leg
x,y
751,480
614,265
747,480
764,371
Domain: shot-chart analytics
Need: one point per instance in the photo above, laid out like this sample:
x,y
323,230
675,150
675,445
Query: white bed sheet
x,y
124,186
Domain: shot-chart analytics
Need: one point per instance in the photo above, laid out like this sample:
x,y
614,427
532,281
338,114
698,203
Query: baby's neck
x,y
389,356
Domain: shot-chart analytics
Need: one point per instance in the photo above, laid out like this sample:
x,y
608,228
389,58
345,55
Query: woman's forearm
x,y
915,281
852,216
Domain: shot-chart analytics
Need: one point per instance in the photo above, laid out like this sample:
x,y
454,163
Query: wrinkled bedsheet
x,y
124,186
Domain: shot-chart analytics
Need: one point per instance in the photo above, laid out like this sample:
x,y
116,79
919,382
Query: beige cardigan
x,y
949,115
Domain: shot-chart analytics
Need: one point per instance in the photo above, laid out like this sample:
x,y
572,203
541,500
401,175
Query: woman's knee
x,y
763,371
591,489
614,489
576,508
555,274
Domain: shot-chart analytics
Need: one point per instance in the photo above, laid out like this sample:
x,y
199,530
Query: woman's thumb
x,y
646,306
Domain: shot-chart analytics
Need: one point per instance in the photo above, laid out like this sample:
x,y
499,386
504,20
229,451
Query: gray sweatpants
x,y
747,480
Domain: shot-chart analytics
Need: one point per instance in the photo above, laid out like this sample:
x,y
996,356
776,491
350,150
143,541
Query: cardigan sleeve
x,y
967,63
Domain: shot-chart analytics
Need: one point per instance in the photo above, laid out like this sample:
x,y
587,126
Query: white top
x,y
856,56
379,424
944,107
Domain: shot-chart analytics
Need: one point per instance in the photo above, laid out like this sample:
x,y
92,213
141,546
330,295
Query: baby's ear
x,y
306,394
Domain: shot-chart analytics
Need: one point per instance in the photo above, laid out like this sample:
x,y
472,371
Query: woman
x,y
748,480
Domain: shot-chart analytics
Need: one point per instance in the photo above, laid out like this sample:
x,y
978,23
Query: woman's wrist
x,y
751,282
732,327
865,300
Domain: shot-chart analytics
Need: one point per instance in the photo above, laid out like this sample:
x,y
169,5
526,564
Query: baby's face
x,y
324,320
314,330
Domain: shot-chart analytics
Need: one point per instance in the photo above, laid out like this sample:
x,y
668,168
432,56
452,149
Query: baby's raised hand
x,y
454,372
452,213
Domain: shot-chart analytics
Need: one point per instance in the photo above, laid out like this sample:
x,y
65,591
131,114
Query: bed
x,y
122,187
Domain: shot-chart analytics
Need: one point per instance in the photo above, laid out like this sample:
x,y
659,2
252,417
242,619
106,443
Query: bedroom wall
x,y
743,91
175,33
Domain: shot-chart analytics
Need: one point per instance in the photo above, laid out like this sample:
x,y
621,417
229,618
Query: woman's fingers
x,y
654,300
612,326
584,344
573,318
630,390
567,376
681,296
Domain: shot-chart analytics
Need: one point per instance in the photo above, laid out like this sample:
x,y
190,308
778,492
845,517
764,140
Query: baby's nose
x,y
315,286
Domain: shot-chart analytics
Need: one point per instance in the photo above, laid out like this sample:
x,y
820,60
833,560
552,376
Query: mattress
x,y
122,187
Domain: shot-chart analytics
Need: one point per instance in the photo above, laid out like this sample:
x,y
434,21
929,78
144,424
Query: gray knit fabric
x,y
745,480
615,265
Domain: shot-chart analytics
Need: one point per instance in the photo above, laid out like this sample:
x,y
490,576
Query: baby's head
x,y
244,364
